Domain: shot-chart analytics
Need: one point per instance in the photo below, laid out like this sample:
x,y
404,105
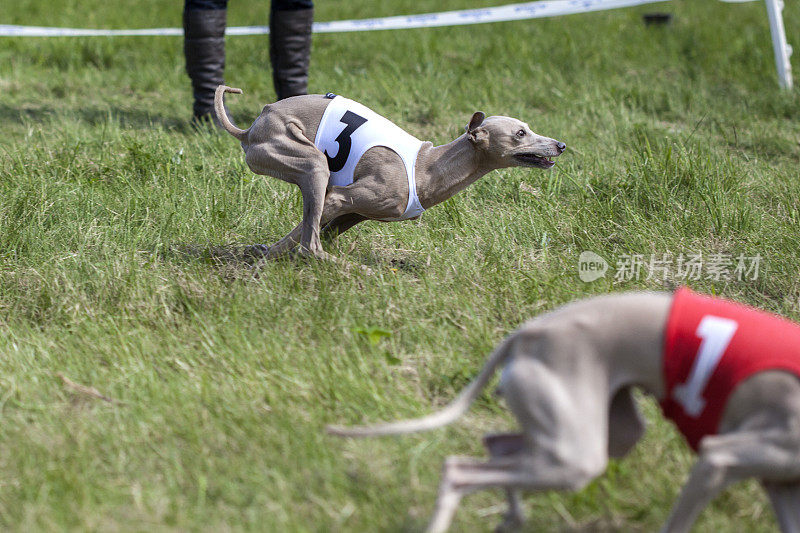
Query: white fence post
x,y
779,44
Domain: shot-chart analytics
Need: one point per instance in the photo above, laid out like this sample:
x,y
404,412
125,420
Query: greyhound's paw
x,y
325,256
318,254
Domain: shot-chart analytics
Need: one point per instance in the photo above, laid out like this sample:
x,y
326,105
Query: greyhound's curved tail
x,y
440,418
222,116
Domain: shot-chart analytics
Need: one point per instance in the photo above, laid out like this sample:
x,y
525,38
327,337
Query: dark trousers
x,y
277,5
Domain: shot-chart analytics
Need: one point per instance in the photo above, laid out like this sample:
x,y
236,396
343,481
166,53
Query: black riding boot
x,y
204,48
290,50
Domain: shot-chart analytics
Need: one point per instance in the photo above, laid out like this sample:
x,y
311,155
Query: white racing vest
x,y
348,129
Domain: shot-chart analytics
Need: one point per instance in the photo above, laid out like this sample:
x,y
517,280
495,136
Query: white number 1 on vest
x,y
716,334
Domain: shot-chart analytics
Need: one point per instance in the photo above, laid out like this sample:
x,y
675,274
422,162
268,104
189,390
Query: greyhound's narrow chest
x,y
348,129
710,346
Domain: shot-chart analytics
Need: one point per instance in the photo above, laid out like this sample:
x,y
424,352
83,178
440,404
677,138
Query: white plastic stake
x,y
779,44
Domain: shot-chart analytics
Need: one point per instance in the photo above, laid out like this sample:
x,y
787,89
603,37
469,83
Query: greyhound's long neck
x,y
443,171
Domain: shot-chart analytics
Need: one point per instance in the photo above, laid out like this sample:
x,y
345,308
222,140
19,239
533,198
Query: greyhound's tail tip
x,y
227,89
222,113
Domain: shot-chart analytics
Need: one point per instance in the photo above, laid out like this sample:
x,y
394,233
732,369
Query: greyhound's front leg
x,y
322,206
705,481
339,225
724,459
332,208
336,216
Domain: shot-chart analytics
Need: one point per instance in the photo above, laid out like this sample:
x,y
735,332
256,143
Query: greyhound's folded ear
x,y
475,121
475,133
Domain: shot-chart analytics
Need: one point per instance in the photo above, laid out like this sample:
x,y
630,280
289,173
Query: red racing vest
x,y
710,346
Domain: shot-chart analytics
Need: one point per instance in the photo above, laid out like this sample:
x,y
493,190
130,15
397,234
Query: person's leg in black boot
x,y
290,25
204,48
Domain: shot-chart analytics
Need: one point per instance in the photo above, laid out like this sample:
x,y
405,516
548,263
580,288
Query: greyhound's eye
x,y
521,133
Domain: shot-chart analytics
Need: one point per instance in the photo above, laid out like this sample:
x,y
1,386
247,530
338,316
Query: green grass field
x,y
222,381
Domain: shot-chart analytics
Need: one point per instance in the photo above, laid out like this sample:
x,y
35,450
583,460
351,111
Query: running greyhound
x,y
726,374
351,164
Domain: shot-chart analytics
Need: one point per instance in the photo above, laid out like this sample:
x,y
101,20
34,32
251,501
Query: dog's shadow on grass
x,y
230,255
246,258
232,262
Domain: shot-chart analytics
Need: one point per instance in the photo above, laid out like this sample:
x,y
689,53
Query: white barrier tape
x,y
8,30
528,10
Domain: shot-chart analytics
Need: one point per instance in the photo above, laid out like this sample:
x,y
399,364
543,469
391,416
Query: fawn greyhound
x,y
351,164
726,374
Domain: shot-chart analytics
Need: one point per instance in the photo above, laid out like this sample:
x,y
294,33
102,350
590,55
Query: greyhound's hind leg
x,y
464,475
